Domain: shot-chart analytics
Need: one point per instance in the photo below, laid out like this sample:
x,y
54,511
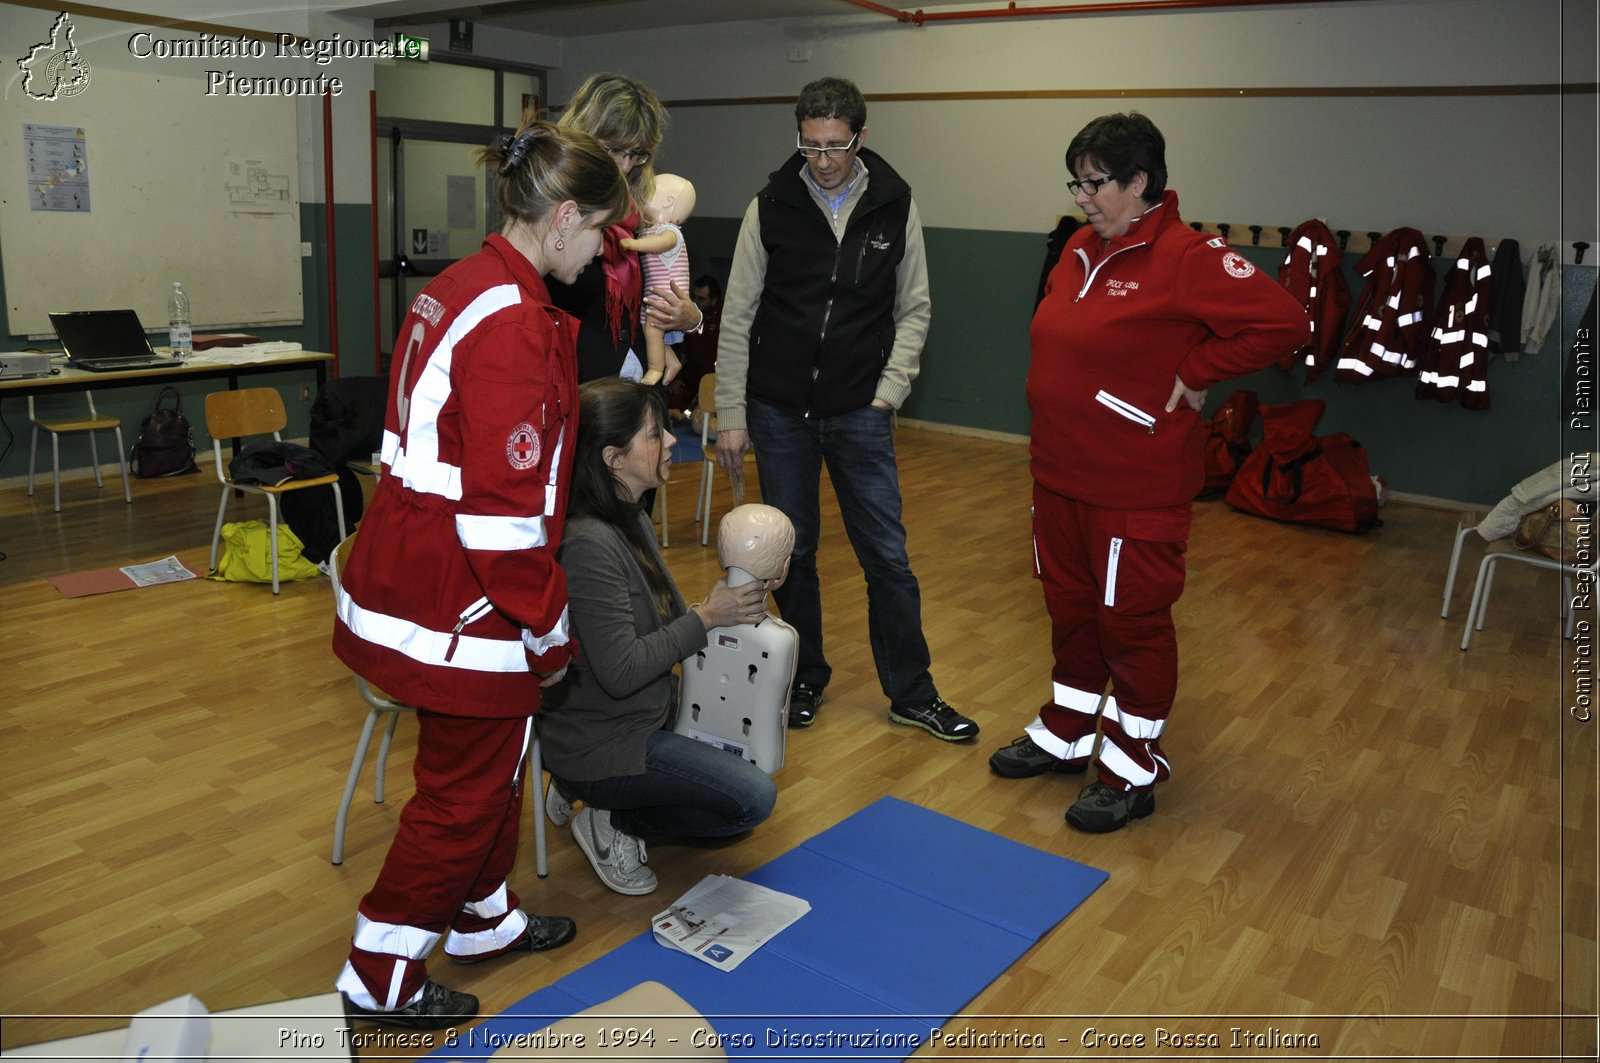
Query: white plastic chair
x,y
1498,551
706,415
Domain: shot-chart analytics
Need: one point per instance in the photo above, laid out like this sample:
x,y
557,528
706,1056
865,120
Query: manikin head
x,y
754,543
671,200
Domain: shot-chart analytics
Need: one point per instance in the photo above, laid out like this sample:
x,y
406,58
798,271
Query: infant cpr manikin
x,y
735,692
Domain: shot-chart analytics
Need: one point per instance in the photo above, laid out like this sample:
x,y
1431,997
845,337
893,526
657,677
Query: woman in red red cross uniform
x,y
1140,316
452,600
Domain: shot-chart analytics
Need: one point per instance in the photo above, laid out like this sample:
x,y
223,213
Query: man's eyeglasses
x,y
810,151
638,156
1090,185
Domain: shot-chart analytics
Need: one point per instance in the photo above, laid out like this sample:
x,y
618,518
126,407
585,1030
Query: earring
x,y
561,245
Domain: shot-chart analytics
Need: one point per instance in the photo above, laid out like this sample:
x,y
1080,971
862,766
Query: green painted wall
x,y
976,362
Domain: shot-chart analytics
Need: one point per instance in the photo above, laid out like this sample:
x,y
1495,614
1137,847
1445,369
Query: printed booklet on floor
x,y
722,920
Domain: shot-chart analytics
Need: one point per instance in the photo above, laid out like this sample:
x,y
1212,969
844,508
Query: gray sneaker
x,y
557,805
616,857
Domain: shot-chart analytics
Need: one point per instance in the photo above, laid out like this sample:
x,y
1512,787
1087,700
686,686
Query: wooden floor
x,y
1370,838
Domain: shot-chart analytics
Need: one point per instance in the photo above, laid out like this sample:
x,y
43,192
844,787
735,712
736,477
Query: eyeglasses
x,y
1090,185
810,151
638,156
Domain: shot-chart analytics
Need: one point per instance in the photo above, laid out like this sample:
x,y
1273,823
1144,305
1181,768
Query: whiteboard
x,y
157,149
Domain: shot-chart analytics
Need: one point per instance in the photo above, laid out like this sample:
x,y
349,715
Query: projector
x,y
16,365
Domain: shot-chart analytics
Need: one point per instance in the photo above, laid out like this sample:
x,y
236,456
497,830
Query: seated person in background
x,y
698,351
602,728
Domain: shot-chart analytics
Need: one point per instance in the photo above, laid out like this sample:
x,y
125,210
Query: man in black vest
x,y
822,331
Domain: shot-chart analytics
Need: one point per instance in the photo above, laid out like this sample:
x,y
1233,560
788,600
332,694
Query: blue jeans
x,y
688,790
859,450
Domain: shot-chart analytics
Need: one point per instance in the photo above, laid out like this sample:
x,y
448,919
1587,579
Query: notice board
x,y
163,175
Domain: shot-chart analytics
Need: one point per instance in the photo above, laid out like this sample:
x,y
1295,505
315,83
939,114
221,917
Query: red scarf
x,y
624,279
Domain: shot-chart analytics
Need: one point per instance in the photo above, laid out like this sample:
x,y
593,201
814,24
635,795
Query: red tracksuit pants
x,y
1110,578
446,869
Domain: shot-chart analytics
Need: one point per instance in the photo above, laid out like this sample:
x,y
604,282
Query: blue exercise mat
x,y
912,915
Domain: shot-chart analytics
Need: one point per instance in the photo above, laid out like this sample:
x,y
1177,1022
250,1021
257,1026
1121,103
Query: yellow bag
x,y
247,554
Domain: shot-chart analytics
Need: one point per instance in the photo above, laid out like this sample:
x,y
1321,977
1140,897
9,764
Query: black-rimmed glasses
x,y
1090,185
811,151
638,156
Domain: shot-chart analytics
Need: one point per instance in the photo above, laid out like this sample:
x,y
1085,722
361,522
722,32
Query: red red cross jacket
x,y
1312,275
453,600
1391,320
1117,324
1455,361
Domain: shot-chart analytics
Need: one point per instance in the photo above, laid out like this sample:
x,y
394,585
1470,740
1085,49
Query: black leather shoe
x,y
1101,809
804,701
1023,759
543,932
436,1009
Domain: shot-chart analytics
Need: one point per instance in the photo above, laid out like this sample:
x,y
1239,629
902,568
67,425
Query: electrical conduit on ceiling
x,y
920,17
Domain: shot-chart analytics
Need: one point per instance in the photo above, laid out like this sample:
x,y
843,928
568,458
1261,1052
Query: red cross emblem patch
x,y
522,447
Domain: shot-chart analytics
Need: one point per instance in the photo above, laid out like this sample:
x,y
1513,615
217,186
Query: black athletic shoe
x,y
937,718
436,1009
1100,810
543,932
1023,759
804,701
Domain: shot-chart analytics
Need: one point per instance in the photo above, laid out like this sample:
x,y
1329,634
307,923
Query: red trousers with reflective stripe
x,y
456,842
1110,578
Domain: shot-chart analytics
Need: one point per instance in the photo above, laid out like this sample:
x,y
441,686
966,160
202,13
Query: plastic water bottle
x,y
180,336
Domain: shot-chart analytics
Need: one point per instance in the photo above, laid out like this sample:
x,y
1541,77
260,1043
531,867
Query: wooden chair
x,y
58,426
256,412
706,415
381,704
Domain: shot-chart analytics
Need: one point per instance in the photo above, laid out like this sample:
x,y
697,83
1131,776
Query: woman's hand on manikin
x,y
726,606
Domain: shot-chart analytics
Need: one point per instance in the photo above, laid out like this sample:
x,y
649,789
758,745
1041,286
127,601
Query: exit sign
x,y
407,46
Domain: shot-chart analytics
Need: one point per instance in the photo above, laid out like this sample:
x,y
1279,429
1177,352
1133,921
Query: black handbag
x,y
165,446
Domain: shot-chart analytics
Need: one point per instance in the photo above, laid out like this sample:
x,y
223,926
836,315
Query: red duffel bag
x,y
1301,478
1228,440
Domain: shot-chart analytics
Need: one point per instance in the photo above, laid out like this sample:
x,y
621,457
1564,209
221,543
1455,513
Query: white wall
x,y
1496,166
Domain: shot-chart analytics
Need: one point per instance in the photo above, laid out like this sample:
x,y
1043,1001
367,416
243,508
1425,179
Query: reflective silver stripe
x,y
1140,727
500,533
555,472
494,939
1113,555
1452,337
1304,243
1056,747
556,636
1355,365
472,654
1125,409
1409,319
1478,385
1124,767
492,905
418,464
393,939
1074,699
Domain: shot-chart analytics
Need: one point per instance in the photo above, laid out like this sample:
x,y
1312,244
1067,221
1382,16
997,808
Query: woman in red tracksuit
x,y
1140,316
452,600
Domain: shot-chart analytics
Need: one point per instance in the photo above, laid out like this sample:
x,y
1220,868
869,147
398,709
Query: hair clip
x,y
516,149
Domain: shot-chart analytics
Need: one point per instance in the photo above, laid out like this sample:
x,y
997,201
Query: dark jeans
x,y
688,790
859,450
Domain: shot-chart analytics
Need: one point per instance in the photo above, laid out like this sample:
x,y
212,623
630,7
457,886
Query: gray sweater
x,y
620,687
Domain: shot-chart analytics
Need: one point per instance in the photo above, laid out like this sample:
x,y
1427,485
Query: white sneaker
x,y
556,806
616,857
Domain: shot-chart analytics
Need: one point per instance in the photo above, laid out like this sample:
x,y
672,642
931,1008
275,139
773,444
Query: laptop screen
x,y
99,334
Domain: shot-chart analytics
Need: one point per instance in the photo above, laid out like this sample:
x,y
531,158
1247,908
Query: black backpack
x,y
165,446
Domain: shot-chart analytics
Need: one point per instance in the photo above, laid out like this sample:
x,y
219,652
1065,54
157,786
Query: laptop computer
x,y
104,341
